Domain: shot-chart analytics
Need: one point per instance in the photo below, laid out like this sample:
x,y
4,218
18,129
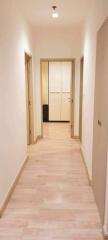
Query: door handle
x,y
99,123
71,99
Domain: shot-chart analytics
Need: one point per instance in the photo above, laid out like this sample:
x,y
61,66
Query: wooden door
x,y
55,77
66,72
100,136
55,106
65,107
54,91
60,77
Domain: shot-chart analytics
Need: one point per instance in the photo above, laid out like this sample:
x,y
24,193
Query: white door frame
x,y
81,97
29,99
72,90
105,227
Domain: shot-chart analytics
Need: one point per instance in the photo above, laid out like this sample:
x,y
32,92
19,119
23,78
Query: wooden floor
x,y
53,199
57,130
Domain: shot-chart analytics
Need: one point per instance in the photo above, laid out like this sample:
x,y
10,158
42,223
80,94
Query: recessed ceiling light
x,y
55,13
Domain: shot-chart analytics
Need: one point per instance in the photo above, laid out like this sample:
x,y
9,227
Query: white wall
x,y
97,15
58,44
15,38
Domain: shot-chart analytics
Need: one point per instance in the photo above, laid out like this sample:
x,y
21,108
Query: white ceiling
x,y
71,12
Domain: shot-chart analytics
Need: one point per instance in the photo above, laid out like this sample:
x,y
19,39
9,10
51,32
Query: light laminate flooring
x,y
53,199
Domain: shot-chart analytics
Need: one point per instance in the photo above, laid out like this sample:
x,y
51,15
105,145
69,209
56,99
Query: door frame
x,y
81,97
72,60
105,227
29,99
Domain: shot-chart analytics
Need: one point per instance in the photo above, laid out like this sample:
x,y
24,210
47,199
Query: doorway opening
x,y
57,84
29,99
81,97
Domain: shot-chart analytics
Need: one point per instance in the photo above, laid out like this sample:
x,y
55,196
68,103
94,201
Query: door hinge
x,y
29,103
30,132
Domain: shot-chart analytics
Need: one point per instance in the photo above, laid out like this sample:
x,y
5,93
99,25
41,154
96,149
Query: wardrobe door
x,y
55,77
54,106
55,91
60,74
65,107
66,91
66,76
100,138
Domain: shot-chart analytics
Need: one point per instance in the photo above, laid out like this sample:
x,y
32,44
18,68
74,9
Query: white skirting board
x,y
12,187
105,232
105,227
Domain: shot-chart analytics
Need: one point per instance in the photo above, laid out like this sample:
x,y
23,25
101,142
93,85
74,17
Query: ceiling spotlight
x,y
55,13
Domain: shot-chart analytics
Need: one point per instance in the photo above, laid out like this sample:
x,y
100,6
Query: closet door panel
x,y
66,76
55,76
54,106
60,76
65,107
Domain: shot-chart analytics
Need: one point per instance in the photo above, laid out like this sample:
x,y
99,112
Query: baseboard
x,y
90,182
58,122
76,137
105,232
8,195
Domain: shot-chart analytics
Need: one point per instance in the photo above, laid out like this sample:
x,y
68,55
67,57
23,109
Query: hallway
x,y
53,70
53,199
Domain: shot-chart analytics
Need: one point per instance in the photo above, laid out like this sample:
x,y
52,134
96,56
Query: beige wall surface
x,y
15,39
96,17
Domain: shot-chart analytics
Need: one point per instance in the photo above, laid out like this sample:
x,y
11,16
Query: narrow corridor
x,y
53,199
